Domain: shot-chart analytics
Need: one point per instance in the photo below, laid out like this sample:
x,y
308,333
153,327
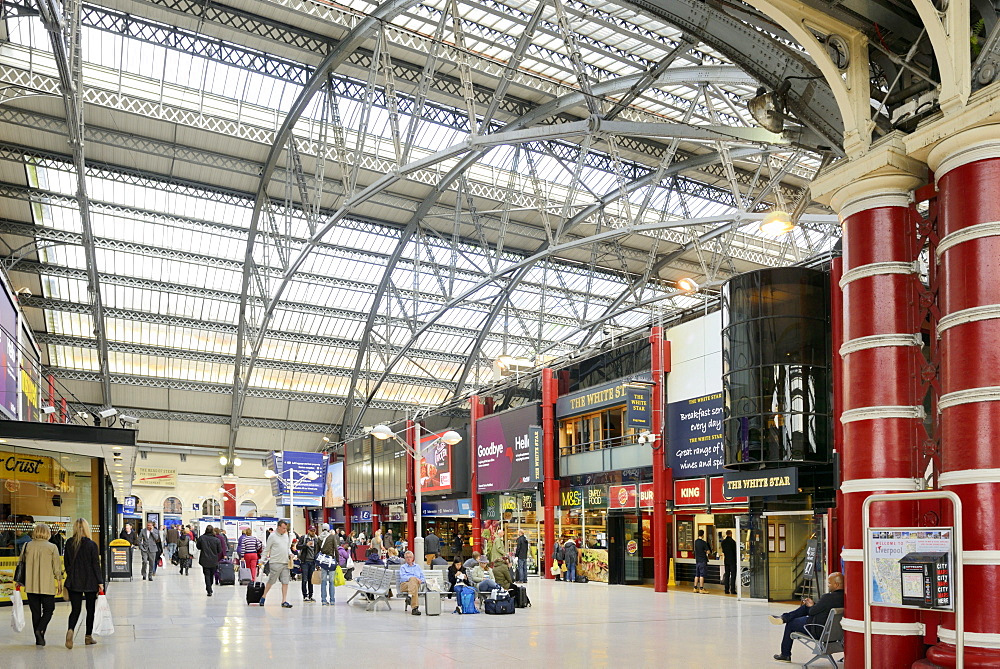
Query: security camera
x,y
129,420
24,292
108,413
48,411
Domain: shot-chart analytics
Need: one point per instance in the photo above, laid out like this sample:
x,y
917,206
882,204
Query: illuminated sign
x,y
762,483
690,493
622,497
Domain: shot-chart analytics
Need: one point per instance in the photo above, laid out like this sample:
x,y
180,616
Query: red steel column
x,y
662,476
882,411
475,413
550,392
411,485
967,167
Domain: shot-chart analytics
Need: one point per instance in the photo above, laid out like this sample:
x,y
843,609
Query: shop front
x,y
630,545
451,522
702,505
583,517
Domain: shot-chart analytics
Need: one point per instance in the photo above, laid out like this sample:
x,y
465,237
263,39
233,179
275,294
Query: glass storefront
x,y
38,486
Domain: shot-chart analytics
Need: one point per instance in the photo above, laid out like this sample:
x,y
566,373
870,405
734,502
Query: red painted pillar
x,y
411,486
51,418
835,540
882,412
347,517
376,510
550,489
967,167
229,499
475,413
662,476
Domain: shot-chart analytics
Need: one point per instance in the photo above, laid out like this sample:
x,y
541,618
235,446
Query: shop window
x,y
211,507
592,432
173,506
247,508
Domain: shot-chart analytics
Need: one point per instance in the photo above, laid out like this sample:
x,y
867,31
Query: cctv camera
x,y
129,420
24,292
48,410
108,413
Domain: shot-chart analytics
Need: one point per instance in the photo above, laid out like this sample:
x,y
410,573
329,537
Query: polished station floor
x,y
169,622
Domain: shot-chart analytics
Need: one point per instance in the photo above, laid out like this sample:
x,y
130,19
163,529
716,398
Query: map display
x,y
911,567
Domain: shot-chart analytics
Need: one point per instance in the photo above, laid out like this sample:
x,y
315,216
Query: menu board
x,y
685,535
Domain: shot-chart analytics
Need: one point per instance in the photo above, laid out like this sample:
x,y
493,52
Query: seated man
x,y
482,576
439,561
471,563
411,575
371,557
810,613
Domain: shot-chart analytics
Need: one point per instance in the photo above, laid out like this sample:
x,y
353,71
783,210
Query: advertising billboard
x,y
334,485
9,365
694,433
504,450
911,567
435,464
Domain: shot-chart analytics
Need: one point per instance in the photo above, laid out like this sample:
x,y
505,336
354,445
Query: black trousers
x,y
209,577
729,580
76,602
42,607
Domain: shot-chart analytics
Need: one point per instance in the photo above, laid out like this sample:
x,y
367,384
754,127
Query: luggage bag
x,y
255,590
520,595
244,573
227,575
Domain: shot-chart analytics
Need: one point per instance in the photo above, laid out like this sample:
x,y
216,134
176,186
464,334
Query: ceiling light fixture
x,y
777,223
687,285
768,107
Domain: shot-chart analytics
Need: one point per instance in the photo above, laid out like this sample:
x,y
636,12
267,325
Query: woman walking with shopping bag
x,y
42,579
84,580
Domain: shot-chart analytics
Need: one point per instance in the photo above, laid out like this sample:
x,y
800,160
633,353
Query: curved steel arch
x,y
384,12
717,74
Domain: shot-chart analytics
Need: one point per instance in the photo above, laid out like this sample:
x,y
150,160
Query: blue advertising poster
x,y
448,507
292,482
694,431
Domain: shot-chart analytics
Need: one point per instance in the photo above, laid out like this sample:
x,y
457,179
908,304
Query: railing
x,y
601,444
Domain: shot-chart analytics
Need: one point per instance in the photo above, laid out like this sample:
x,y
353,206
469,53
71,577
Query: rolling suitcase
x,y
244,573
520,595
227,575
255,590
432,603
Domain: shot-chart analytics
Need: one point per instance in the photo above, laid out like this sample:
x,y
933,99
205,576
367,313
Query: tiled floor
x,y
170,622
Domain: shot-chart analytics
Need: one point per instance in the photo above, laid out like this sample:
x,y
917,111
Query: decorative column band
x,y
963,316
885,629
874,202
881,485
988,558
852,554
875,413
977,151
878,341
977,639
969,396
978,231
877,269
969,477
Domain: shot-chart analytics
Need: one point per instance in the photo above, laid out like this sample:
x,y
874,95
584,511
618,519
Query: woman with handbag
x,y
249,548
84,580
41,571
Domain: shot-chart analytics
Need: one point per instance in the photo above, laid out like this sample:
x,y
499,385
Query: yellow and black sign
x,y
762,483
32,468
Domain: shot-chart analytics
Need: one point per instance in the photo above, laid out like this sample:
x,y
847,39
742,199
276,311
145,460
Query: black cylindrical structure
x,y
776,368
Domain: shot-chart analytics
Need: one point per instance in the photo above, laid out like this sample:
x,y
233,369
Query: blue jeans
x,y
307,584
169,551
522,570
570,571
327,592
795,621
486,585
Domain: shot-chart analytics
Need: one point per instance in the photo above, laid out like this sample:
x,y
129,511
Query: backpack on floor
x,y
466,598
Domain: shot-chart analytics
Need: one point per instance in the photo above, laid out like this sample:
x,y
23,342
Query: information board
x,y
911,567
120,559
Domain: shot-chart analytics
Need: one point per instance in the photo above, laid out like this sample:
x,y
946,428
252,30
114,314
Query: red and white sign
x,y
621,497
693,492
646,495
719,495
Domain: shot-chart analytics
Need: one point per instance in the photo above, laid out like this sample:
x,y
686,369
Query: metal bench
x,y
376,584
829,639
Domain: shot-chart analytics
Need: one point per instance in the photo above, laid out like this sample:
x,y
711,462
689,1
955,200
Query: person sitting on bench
x,y
411,576
482,576
810,613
